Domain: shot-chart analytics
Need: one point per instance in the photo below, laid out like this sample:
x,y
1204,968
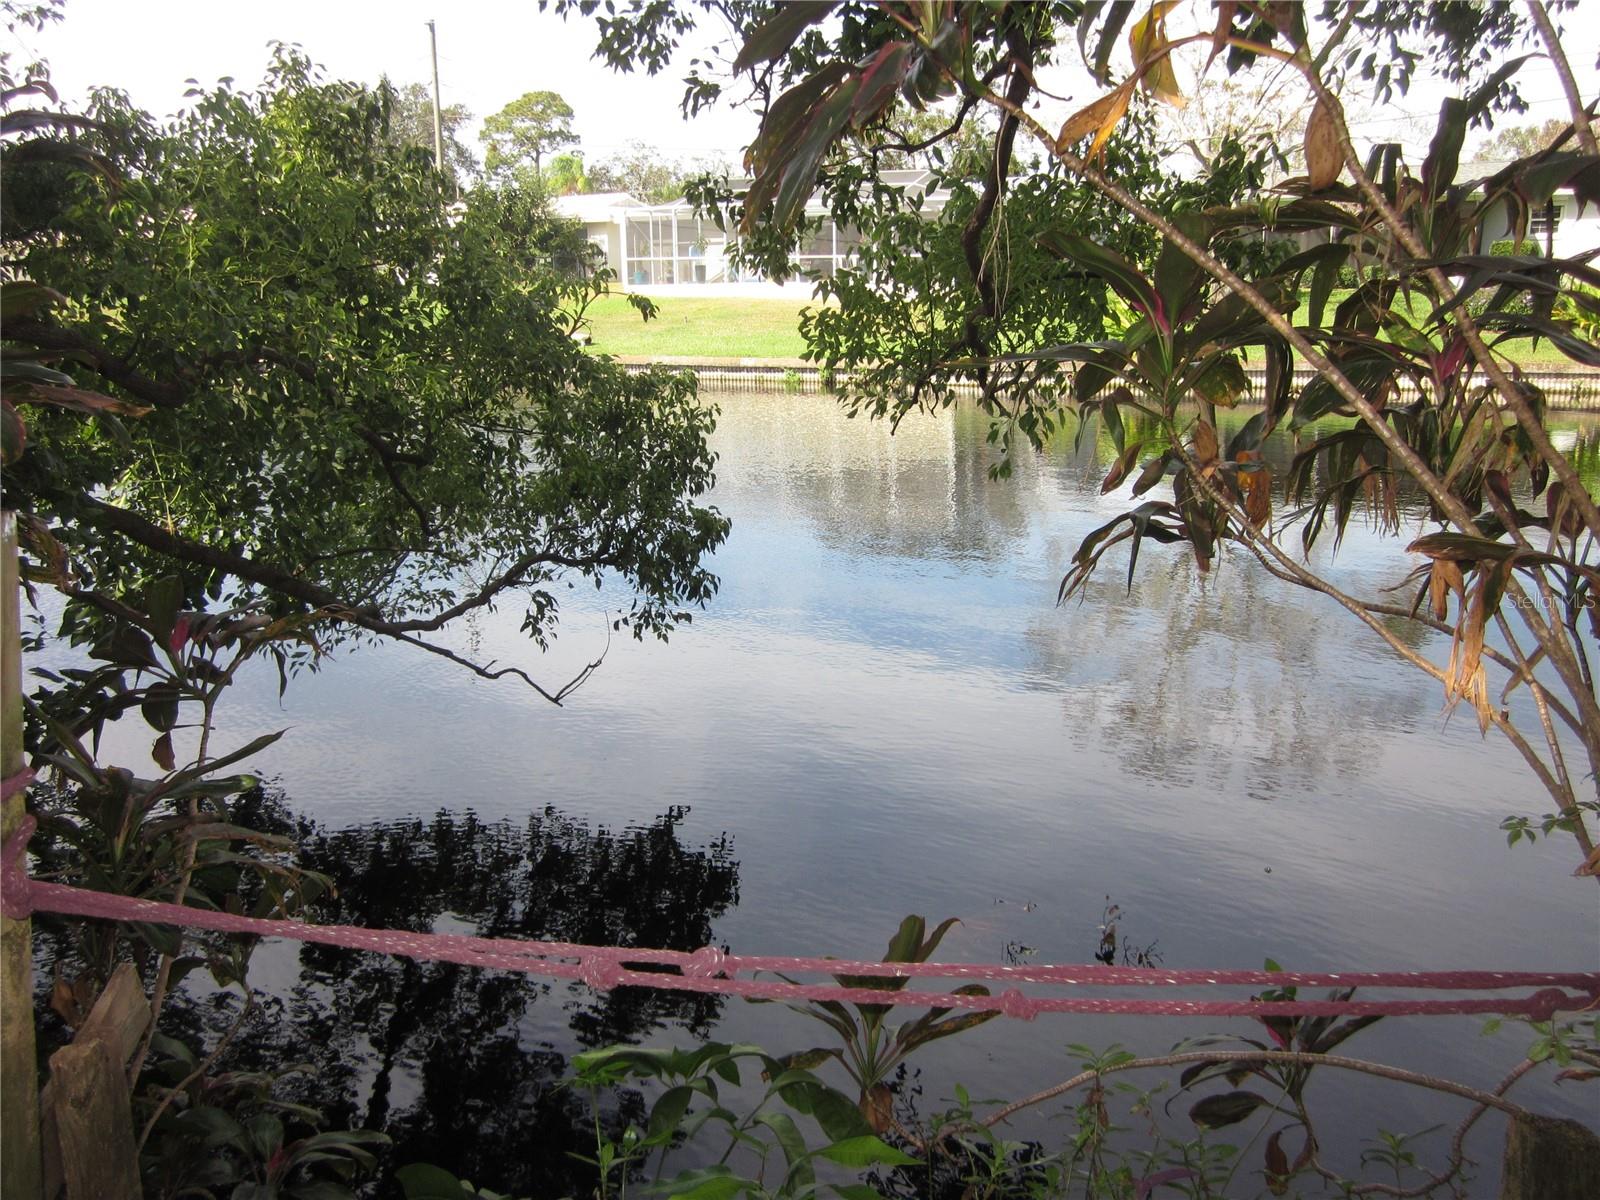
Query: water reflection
x,y
886,709
460,1066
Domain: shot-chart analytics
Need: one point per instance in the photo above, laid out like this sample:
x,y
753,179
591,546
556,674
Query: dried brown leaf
x,y
1257,486
1324,155
1204,443
1100,118
877,1106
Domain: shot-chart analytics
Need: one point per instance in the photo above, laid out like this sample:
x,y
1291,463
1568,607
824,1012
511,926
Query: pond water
x,y
884,712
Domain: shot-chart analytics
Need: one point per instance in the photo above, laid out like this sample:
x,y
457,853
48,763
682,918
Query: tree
x,y
411,124
524,131
1267,115
1430,409
349,402
645,173
1520,141
1177,314
565,175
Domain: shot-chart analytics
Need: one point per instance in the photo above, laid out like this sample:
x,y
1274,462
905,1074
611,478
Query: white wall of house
x,y
1577,228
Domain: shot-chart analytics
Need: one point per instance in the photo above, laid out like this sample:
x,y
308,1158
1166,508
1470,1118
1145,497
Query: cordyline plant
x,y
1414,359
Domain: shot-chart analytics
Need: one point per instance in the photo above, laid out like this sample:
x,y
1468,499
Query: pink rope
x,y
709,970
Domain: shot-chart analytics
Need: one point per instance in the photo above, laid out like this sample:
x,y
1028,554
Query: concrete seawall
x,y
1565,390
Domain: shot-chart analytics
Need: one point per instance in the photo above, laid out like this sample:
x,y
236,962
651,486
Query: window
x,y
1544,220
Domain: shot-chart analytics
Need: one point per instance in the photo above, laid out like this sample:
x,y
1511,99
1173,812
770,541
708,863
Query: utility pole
x,y
438,117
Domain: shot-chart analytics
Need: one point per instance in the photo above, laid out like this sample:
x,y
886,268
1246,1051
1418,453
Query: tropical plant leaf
x,y
774,37
1228,1108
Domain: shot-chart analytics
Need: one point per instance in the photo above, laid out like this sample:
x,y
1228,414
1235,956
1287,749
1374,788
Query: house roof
x,y
594,206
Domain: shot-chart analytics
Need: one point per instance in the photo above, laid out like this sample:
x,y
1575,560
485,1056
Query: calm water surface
x,y
884,712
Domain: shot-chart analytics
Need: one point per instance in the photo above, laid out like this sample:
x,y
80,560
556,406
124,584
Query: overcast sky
x,y
489,54
492,52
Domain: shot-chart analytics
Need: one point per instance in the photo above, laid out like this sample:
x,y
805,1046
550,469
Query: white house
x,y
1564,227
664,249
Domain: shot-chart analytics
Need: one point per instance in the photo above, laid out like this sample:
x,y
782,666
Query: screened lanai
x,y
670,245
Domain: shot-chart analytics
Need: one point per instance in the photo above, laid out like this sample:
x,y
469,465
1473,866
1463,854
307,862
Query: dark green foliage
x,y
356,393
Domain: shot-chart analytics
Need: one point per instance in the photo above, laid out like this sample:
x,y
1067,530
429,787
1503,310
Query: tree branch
x,y
286,583
1298,1058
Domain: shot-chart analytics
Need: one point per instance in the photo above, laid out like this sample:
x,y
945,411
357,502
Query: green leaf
x,y
866,1151
1179,280
774,36
907,939
1229,1108
189,775
925,950
162,599
707,1183
160,706
266,1134
856,1191
1117,14
835,1113
794,1147
668,1110
424,1181
212,1125
14,369
1116,270
24,298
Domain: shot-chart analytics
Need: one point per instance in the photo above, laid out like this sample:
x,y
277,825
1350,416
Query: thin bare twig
x,y
1296,1057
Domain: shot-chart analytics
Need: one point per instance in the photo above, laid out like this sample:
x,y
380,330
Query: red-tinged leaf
x,y
1120,468
15,370
1216,1112
57,151
1277,1165
879,82
33,87
160,706
1590,865
1149,1183
13,433
779,32
162,752
787,119
800,174
77,399
180,634
1224,30
30,120
1576,1075
1152,473
1500,486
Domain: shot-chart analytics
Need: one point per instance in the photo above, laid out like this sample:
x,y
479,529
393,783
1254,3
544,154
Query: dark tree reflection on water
x,y
461,1066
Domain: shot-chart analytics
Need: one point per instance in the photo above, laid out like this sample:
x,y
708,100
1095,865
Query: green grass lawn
x,y
726,327
695,327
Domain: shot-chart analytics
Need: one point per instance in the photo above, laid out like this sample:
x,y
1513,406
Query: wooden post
x,y
87,1111
1550,1158
19,1069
